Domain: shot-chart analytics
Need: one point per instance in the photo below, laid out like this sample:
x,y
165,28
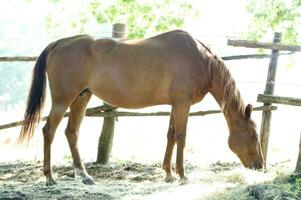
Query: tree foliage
x,y
275,15
141,17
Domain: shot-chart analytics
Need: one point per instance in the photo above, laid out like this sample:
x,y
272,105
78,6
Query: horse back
x,y
128,73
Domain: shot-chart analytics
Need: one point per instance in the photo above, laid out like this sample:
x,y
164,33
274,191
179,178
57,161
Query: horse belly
x,y
136,100
125,92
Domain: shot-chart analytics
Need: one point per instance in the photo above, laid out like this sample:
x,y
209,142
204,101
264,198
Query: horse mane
x,y
232,100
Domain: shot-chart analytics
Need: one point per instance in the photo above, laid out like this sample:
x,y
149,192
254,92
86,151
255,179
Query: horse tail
x,y
35,99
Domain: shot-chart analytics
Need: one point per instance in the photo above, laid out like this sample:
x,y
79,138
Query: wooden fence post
x,y
105,142
269,89
118,30
298,165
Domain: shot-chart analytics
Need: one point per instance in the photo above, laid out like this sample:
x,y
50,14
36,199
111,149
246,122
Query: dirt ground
x,y
118,180
135,181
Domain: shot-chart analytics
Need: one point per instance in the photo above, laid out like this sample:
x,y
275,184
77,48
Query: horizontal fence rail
x,y
226,58
107,111
253,56
264,98
263,45
18,59
89,111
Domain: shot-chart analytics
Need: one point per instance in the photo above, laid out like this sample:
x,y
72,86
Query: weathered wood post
x,y
118,30
105,141
269,89
298,165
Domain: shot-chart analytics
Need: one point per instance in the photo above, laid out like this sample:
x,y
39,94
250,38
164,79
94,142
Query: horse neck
x,y
226,94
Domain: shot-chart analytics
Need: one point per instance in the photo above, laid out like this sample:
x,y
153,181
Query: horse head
x,y
244,142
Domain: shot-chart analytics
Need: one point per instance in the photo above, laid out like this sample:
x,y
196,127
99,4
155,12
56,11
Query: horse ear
x,y
248,111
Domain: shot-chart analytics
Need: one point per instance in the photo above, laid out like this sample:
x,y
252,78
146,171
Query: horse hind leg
x,y
55,116
77,112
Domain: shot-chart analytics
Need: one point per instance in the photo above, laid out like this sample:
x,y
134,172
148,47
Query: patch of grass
x,y
277,184
237,193
277,190
288,188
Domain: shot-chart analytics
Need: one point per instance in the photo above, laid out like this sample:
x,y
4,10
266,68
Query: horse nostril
x,y
256,165
253,166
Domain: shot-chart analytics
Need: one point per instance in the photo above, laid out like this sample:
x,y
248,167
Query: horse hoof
x,y
50,182
184,180
170,179
88,181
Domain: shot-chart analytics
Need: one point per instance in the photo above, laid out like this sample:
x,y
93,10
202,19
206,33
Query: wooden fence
x,y
110,113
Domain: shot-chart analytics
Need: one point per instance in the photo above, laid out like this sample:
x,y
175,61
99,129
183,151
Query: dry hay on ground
x,y
128,180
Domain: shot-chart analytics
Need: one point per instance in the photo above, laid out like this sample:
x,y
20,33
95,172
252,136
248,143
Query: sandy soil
x,y
118,180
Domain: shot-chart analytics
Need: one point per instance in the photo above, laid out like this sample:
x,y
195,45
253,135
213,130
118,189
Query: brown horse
x,y
171,68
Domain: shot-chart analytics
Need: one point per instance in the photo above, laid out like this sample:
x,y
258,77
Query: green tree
x,y
275,15
141,17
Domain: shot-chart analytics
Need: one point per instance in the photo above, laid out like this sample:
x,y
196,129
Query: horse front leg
x,y
77,112
180,119
169,149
